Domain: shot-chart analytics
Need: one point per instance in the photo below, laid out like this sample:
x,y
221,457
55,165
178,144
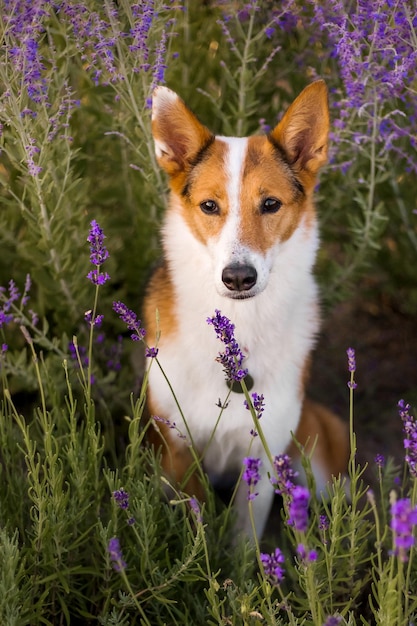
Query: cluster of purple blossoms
x,y
285,475
324,525
116,556
306,555
97,321
12,303
251,475
131,320
232,357
379,460
351,367
98,34
6,316
333,620
272,564
28,65
298,508
98,254
410,436
121,497
403,521
24,24
375,47
196,509
258,404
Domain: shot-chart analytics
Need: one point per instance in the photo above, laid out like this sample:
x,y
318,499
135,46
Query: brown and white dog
x,y
240,235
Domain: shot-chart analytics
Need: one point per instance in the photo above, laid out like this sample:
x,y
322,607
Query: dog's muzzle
x,y
239,278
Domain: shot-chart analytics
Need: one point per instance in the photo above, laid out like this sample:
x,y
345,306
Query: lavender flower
x,y
195,507
410,436
403,520
305,554
272,564
251,475
324,522
10,310
351,359
32,150
97,321
380,460
333,620
131,320
351,367
5,314
258,404
121,497
171,425
284,475
298,508
116,556
24,23
232,357
98,254
151,353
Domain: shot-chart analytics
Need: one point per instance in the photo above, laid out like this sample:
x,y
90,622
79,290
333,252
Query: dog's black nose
x,y
239,277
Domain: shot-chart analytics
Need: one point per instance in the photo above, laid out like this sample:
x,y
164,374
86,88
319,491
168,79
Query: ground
x,y
385,341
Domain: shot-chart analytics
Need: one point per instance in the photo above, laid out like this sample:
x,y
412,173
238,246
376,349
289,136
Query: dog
x,y
240,236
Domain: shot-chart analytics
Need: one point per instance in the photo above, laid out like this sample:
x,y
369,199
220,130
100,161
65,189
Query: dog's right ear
x,y
178,134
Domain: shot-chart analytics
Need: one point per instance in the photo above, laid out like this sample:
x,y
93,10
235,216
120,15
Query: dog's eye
x,y
271,205
209,207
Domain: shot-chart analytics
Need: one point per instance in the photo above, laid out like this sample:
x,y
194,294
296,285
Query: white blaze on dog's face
x,y
242,198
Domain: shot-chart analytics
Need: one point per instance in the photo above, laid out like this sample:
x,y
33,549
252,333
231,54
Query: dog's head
x,y
243,198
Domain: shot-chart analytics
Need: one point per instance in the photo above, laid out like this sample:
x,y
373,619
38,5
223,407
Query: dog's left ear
x,y
179,136
303,131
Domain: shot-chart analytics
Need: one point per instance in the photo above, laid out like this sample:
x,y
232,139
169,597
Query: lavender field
x,y
87,535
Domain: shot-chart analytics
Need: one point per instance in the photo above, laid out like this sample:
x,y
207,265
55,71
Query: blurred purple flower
x,y
380,460
195,507
333,620
410,436
115,554
305,554
351,359
403,520
272,564
298,508
251,475
351,367
121,497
